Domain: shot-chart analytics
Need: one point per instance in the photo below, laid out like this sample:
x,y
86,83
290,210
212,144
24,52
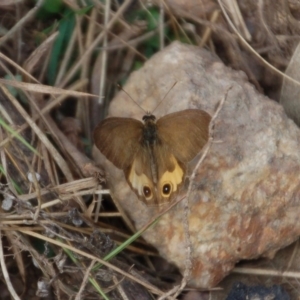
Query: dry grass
x,y
58,74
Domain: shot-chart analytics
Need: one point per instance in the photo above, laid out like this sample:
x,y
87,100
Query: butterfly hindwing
x,y
155,174
139,176
171,173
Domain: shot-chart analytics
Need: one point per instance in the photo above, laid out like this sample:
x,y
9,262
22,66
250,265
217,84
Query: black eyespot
x,y
147,192
166,190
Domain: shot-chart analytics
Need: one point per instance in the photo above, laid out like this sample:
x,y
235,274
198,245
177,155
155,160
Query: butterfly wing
x,y
185,132
119,139
155,174
170,173
139,176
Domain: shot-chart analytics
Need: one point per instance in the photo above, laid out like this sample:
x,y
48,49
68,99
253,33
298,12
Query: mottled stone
x,y
245,198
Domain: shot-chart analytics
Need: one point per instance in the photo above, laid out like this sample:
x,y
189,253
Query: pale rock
x,y
245,197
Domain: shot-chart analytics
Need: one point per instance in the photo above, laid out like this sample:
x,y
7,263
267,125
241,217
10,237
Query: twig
x,y
56,155
207,32
84,107
21,23
17,67
265,272
85,279
66,59
104,55
53,103
45,89
176,21
233,8
248,47
161,26
95,43
87,255
5,273
120,288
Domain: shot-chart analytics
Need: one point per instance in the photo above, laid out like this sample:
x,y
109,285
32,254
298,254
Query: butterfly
x,y
153,154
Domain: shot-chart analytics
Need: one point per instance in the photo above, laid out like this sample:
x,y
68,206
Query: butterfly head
x,y
148,117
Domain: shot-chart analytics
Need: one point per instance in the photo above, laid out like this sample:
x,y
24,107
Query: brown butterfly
x,y
154,154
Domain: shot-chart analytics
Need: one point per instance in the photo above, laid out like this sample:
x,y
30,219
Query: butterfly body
x,y
149,130
153,154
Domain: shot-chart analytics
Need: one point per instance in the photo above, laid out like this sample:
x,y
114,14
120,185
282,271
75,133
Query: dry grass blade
x,y
67,190
15,65
265,272
84,254
5,272
104,54
208,31
252,50
9,2
233,8
21,22
85,279
46,109
55,154
17,256
39,88
57,61
39,53
95,43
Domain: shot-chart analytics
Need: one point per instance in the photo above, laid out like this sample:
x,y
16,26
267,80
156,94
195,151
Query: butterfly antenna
x,y
165,96
120,87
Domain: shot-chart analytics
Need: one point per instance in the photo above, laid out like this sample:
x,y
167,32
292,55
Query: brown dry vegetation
x,y
59,227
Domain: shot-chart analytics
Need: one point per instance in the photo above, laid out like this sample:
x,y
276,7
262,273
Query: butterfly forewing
x,y
185,132
118,139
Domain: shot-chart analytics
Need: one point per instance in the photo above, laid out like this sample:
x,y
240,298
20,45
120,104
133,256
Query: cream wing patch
x,y
174,178
158,194
138,182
